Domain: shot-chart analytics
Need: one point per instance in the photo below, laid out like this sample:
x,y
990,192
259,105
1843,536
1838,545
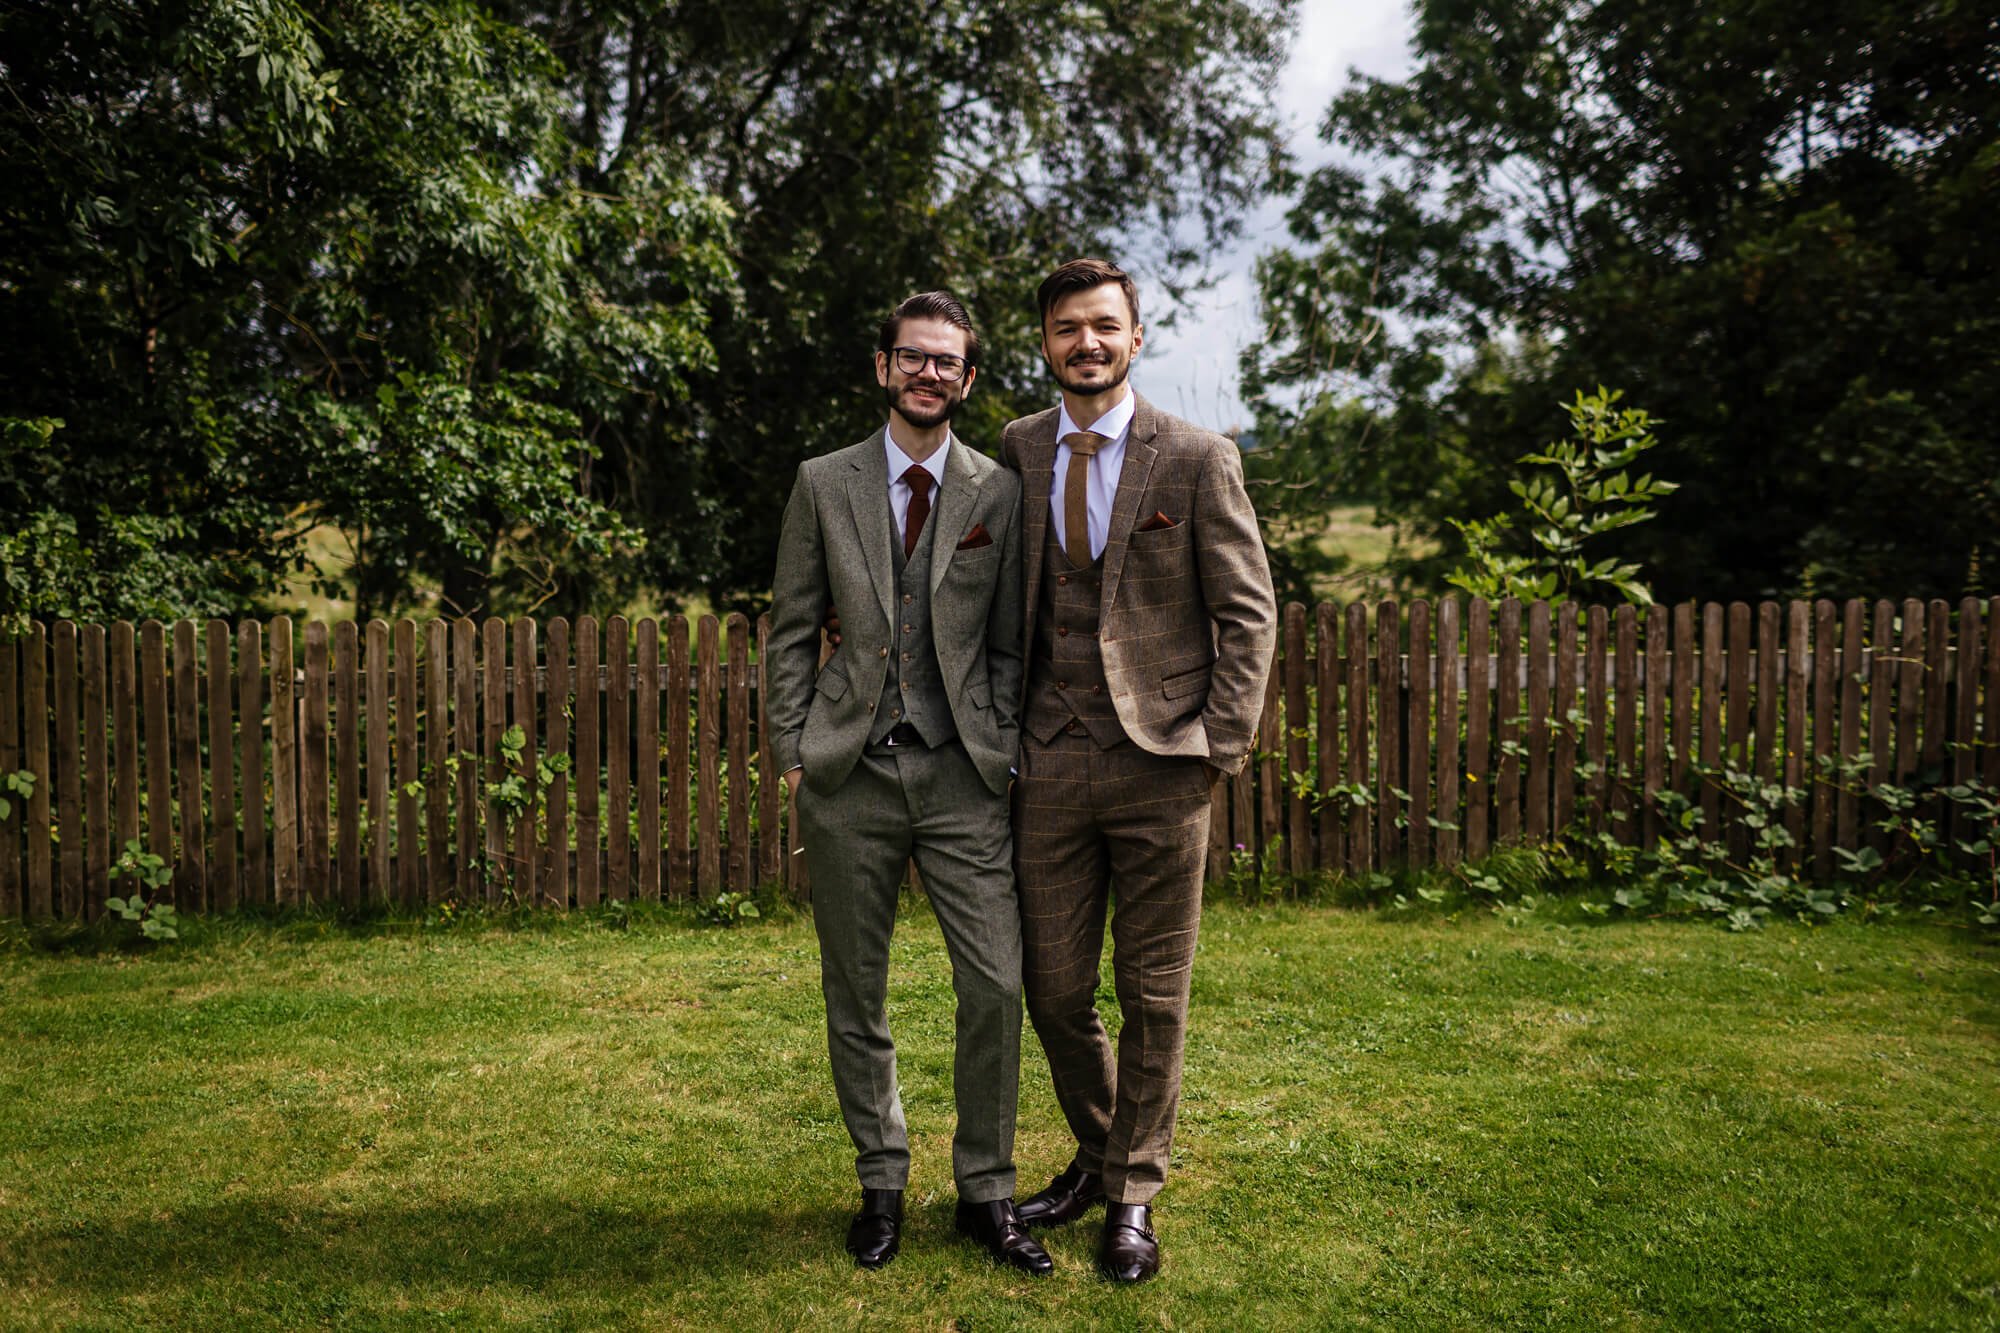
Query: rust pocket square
x,y
1159,522
976,538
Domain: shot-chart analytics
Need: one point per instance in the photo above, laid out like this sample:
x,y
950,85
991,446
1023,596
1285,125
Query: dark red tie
x,y
919,482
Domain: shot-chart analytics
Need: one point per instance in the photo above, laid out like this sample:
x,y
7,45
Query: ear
x,y
882,369
1138,338
965,385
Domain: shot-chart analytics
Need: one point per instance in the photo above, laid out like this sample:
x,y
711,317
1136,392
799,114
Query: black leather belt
x,y
903,733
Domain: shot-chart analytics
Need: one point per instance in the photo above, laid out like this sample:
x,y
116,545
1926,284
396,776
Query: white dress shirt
x,y
1101,492
899,463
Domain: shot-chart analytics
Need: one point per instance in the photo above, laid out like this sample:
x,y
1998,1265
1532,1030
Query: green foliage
x,y
19,785
728,908
1591,494
1769,221
150,878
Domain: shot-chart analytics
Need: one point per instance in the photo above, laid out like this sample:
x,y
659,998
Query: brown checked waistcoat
x,y
1187,620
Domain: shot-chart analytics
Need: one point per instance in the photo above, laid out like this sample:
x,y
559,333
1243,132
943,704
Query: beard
x,y
1120,368
920,415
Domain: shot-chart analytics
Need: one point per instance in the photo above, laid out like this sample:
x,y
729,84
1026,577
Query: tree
x,y
280,265
1769,220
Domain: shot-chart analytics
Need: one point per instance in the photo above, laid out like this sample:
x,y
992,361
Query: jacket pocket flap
x,y
831,683
981,693
1187,682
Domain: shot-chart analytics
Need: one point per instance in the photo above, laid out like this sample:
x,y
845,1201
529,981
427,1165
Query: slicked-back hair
x,y
1082,275
940,306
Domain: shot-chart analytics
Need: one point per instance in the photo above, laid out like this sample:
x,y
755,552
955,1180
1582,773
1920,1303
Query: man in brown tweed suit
x,y
1150,624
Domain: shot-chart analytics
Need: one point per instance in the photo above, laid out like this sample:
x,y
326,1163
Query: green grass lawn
x,y
1431,1123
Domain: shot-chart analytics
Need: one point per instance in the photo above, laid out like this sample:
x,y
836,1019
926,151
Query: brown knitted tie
x,y
919,482
1083,446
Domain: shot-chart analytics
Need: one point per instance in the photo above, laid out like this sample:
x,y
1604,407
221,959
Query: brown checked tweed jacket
x,y
1189,620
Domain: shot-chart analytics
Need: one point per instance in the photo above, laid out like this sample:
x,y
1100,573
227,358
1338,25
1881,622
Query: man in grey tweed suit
x,y
902,745
1150,624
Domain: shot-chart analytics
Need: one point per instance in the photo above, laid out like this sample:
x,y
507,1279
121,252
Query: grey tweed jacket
x,y
1188,617
835,548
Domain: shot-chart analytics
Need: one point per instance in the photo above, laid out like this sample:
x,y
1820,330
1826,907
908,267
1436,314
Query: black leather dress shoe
x,y
1129,1251
995,1226
876,1232
1068,1197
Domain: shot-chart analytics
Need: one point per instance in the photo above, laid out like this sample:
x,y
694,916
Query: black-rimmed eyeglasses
x,y
910,360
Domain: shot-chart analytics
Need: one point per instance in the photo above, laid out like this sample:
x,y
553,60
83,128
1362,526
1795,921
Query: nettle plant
x,y
150,878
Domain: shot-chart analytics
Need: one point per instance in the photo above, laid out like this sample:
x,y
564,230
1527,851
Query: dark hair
x,y
941,306
1082,275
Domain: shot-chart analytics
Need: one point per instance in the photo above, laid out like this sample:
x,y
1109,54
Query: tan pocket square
x,y
1159,522
976,538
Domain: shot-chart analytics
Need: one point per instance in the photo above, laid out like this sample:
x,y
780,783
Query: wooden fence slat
x,y
708,724
96,775
555,803
648,773
1624,727
1683,742
1798,627
1417,736
348,734
770,837
1654,750
256,886
314,862
526,882
1450,824
1326,627
222,893
1909,690
1388,732
437,760
1536,777
1354,661
1597,714
1848,805
1936,674
409,773
191,876
124,733
1711,717
39,899
69,772
465,749
493,726
618,759
1965,700
1765,764
1478,726
16,820
1881,711
1563,708
680,848
1507,726
737,734
381,837
1737,711
1269,752
1298,740
284,764
1826,672
589,704
1990,728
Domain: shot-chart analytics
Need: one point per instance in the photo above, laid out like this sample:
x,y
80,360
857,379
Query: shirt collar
x,y
899,462
1113,425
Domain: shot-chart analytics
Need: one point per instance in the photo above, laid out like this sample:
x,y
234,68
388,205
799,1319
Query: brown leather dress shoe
x,y
1068,1197
1129,1251
876,1232
995,1226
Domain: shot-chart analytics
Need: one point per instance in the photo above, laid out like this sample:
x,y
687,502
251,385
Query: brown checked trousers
x,y
1140,667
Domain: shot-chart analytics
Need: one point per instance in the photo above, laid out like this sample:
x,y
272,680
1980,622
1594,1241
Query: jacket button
x,y
1062,631
881,652
1062,580
1097,689
1062,684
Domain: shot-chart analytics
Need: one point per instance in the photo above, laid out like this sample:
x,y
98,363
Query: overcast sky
x,y
1190,370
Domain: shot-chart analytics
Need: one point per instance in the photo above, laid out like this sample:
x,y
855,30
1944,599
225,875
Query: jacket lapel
x,y
1038,471
874,523
1139,455
956,499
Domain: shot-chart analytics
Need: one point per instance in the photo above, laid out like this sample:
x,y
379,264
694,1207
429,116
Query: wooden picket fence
x,y
407,764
